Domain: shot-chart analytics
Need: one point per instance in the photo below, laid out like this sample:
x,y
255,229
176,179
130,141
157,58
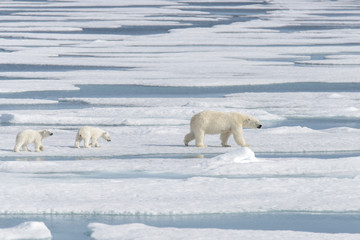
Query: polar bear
x,y
223,123
29,136
86,133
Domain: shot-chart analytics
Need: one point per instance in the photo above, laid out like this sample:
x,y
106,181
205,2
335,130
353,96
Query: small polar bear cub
x,y
90,133
29,136
223,123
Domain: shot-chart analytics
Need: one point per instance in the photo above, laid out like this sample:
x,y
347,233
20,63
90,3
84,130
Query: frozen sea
x,y
140,69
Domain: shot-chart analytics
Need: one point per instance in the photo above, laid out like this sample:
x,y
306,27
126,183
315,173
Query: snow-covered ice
x,y
141,70
26,230
140,231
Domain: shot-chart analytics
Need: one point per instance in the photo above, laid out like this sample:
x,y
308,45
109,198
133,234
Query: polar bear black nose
x,y
259,126
51,134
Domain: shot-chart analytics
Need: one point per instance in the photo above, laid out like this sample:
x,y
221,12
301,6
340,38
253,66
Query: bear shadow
x,y
163,145
190,146
7,150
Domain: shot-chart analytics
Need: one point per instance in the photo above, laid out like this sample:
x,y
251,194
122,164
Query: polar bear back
x,y
28,136
212,122
88,131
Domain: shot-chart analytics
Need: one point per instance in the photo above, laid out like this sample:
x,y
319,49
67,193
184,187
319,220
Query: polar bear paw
x,y
201,145
226,145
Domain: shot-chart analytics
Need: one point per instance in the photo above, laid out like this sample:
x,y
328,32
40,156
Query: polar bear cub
x,y
29,136
90,133
223,123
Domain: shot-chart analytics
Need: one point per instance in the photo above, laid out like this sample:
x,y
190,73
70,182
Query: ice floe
x,y
140,70
140,231
26,230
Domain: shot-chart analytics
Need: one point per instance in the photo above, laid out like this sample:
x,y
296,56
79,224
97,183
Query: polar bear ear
x,y
247,120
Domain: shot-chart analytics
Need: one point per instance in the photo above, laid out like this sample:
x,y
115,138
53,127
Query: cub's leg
x,y
17,147
86,142
25,148
38,147
94,142
78,141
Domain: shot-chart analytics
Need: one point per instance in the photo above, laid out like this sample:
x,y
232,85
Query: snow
x,y
26,230
140,231
140,71
238,156
34,85
25,101
232,182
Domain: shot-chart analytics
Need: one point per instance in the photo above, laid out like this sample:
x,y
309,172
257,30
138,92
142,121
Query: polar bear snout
x,y
107,137
259,126
46,133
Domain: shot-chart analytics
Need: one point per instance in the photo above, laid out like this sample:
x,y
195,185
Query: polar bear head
x,y
251,122
46,133
106,136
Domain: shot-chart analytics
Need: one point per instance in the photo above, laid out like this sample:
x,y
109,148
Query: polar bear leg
x,y
25,148
188,137
38,146
16,148
86,142
239,138
77,141
199,138
94,142
224,139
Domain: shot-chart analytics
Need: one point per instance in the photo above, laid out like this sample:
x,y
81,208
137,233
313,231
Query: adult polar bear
x,y
90,133
223,123
29,136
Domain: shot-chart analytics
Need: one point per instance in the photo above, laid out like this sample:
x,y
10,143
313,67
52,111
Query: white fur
x,y
223,123
29,136
90,133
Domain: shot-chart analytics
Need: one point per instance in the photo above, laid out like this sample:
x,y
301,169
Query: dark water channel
x,y
141,91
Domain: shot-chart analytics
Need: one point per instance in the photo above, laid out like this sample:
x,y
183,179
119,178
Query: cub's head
x,y
251,122
46,133
106,136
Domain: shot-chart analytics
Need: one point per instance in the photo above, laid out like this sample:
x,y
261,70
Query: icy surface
x,y
140,70
140,231
26,230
